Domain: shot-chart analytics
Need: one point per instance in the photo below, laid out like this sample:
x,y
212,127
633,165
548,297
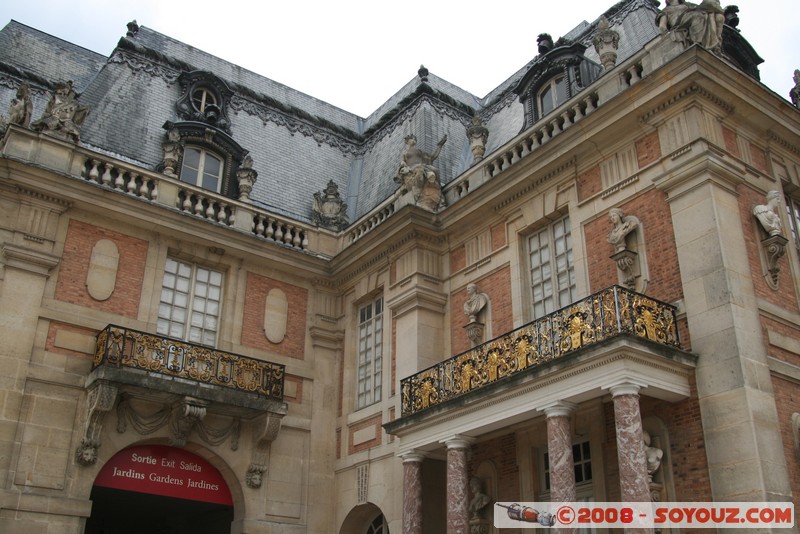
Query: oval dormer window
x,y
202,97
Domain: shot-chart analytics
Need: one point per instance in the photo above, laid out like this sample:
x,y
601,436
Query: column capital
x,y
412,456
558,409
457,442
625,387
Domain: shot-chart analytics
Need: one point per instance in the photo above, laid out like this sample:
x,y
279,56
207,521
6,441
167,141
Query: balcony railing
x,y
609,313
122,347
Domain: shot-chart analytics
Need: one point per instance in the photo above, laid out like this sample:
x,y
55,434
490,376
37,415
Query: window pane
x,y
546,101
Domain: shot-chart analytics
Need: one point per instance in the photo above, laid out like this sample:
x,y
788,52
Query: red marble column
x,y
457,490
412,493
633,481
559,449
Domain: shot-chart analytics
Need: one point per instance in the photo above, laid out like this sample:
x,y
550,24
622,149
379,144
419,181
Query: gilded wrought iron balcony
x,y
607,314
120,347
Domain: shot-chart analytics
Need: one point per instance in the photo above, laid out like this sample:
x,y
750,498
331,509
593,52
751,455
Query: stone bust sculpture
x,y
479,499
767,214
623,225
475,302
652,454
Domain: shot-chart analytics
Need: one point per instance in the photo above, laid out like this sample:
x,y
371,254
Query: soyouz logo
x,y
747,515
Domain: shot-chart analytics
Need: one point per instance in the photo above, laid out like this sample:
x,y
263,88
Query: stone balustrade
x,y
583,105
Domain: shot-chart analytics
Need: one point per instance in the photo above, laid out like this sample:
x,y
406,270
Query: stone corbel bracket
x,y
265,429
187,414
101,399
774,249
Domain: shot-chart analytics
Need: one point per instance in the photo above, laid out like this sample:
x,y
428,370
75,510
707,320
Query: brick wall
x,y
648,149
731,143
589,183
502,453
372,426
662,254
253,335
71,284
458,258
759,158
498,288
787,399
498,236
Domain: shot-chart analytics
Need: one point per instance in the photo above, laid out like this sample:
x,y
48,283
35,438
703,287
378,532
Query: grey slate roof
x,y
48,57
298,142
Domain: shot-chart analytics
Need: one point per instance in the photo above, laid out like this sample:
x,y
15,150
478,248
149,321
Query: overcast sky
x,y
355,54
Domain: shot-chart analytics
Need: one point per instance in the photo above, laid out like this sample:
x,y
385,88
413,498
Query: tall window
x,y
552,95
552,273
190,303
370,352
201,168
582,465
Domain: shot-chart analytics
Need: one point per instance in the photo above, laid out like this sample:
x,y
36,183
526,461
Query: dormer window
x,y
552,95
202,168
205,99
556,75
201,97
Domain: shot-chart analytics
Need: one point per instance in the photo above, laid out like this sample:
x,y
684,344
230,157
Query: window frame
x,y
165,323
539,307
586,486
204,154
369,353
553,85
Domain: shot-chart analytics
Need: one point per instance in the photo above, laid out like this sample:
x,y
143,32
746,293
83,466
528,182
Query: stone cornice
x,y
413,234
560,169
415,298
690,90
625,359
783,143
30,260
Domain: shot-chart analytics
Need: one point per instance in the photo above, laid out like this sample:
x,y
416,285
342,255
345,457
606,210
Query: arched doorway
x,y
159,490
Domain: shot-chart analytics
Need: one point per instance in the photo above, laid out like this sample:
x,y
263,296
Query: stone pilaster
x,y
412,493
633,480
457,486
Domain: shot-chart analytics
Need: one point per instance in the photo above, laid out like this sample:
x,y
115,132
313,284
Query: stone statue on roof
x,y
418,174
794,93
693,23
19,110
63,116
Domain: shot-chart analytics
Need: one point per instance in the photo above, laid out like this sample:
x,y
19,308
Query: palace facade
x,y
227,306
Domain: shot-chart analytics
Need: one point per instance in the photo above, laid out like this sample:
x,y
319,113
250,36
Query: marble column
x,y
633,480
457,486
412,492
559,449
